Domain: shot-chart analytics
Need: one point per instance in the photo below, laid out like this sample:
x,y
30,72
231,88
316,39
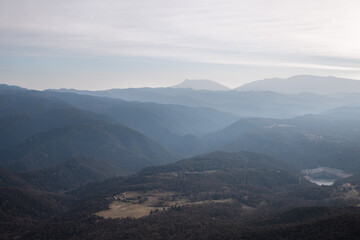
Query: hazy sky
x,y
100,44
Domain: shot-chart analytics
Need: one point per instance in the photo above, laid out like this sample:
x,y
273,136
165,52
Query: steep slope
x,y
23,209
235,130
201,84
38,129
16,128
28,199
10,178
71,174
118,145
24,113
173,126
303,83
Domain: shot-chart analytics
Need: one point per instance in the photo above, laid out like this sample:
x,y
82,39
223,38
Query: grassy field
x,y
151,201
122,210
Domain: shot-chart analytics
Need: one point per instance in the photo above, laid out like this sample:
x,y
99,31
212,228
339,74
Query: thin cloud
x,y
310,34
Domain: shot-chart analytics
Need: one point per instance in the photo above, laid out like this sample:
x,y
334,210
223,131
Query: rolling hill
x,y
66,152
329,139
218,194
40,130
303,83
241,103
24,113
174,126
117,145
206,175
70,174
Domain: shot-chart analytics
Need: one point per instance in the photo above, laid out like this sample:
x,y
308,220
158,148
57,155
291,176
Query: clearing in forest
x,y
139,204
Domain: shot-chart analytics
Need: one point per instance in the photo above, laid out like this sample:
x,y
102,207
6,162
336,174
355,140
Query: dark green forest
x,y
80,166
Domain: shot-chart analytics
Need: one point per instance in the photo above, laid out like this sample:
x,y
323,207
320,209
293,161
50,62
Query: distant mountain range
x,y
58,117
240,103
292,85
303,83
201,84
69,158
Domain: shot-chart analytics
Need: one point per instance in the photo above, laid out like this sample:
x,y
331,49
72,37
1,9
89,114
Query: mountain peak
x,y
201,84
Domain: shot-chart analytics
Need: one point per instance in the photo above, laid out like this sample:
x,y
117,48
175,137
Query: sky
x,y
102,44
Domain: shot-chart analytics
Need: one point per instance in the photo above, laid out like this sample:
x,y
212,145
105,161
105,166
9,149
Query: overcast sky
x,y
101,44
